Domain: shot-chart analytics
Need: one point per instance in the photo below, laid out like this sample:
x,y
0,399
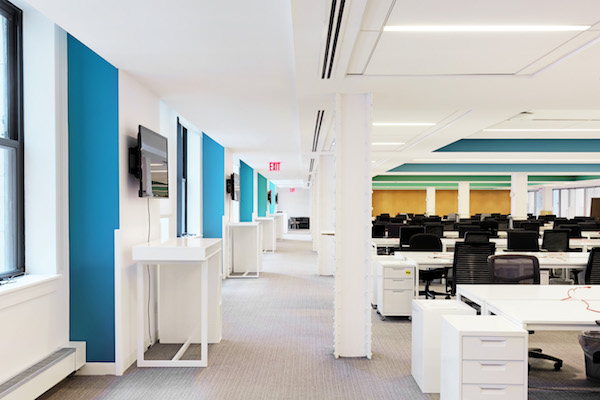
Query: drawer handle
x,y
491,389
492,340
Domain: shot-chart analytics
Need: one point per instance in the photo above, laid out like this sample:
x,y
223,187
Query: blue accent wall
x,y
262,196
93,198
523,145
213,188
272,188
246,192
506,168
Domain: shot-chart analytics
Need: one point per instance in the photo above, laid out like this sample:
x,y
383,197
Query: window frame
x,y
14,17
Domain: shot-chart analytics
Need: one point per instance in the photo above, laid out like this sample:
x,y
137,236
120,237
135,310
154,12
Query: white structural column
x,y
430,200
518,195
352,321
547,198
314,212
326,214
464,200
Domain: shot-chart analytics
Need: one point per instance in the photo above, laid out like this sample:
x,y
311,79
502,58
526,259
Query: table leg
x,y
204,316
140,314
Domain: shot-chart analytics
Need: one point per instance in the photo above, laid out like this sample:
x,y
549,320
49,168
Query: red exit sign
x,y
275,166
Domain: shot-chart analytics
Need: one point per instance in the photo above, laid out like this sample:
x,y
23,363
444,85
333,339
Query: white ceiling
x,y
248,72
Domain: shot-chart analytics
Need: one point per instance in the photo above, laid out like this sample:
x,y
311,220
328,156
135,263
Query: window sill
x,y
26,288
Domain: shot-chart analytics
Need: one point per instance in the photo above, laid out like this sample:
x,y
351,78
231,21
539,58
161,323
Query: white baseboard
x,y
97,368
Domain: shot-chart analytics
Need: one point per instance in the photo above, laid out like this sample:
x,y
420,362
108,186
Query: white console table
x,y
269,238
190,253
245,248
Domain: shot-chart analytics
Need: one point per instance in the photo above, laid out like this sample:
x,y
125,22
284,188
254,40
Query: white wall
x,y
37,326
194,182
296,204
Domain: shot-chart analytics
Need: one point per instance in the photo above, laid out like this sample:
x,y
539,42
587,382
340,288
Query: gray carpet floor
x,y
277,344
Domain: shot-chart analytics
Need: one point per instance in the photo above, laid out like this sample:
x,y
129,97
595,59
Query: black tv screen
x,y
154,166
235,182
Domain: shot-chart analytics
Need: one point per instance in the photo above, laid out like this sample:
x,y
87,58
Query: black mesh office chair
x,y
515,269
592,270
383,217
556,240
406,232
429,242
462,229
523,241
470,263
531,226
574,230
588,226
477,237
502,225
393,230
490,226
378,230
435,229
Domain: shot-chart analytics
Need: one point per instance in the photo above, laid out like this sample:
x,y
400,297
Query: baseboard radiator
x,y
42,376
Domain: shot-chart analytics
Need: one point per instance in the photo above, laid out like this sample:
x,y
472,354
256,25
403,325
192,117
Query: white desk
x,y
280,224
245,248
193,252
269,239
481,294
502,243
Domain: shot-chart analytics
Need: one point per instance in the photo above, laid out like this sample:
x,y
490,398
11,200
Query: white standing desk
x,y
280,222
193,252
245,248
269,238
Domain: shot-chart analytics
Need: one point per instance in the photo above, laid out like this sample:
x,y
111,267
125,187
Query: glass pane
x,y
8,210
556,202
4,79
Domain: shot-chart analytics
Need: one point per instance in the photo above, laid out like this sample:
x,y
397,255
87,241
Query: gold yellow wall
x,y
446,201
396,201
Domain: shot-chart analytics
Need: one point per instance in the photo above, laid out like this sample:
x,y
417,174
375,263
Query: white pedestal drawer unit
x,y
482,357
395,288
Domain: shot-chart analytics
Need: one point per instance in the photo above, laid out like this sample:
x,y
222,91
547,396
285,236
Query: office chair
x,y
523,241
514,269
383,217
378,230
575,230
588,226
592,270
491,226
462,229
477,237
470,263
393,230
428,242
407,231
531,226
435,229
502,225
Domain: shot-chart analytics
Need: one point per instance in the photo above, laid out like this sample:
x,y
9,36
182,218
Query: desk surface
x,y
546,259
179,249
479,293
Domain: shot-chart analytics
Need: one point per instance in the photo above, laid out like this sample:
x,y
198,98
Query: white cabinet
x,y
426,330
395,288
482,357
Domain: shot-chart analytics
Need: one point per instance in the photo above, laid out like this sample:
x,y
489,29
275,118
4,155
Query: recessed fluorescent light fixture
x,y
403,124
541,130
485,28
387,143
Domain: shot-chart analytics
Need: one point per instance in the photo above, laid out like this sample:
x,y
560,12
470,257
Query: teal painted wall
x,y
262,196
506,168
246,192
213,187
523,145
273,189
93,107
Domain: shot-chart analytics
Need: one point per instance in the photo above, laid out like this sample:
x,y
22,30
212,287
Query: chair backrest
x,y
523,241
588,226
435,229
502,225
393,230
556,240
378,231
531,226
514,269
425,242
477,236
574,230
462,229
384,217
592,272
470,263
407,231
489,224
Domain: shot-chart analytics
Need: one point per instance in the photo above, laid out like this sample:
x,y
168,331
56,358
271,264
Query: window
x,y
12,239
182,180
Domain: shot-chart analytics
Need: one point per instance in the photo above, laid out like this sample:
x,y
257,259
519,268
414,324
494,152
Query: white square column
x,y
464,199
314,211
326,214
352,321
430,201
547,198
518,196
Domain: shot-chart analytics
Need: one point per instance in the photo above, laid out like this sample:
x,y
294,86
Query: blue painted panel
x,y
523,145
213,188
93,198
262,195
503,168
246,192
273,189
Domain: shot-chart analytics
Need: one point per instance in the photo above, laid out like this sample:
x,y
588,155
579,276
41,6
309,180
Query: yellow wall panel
x,y
398,201
490,201
446,202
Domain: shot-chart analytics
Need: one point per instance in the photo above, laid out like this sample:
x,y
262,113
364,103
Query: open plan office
x,y
300,199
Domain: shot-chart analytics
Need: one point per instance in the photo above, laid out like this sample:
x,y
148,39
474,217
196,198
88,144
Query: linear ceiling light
x,y
541,130
403,123
387,143
485,28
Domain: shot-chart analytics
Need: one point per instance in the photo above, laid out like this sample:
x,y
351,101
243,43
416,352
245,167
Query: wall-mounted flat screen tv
x,y
235,189
153,164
